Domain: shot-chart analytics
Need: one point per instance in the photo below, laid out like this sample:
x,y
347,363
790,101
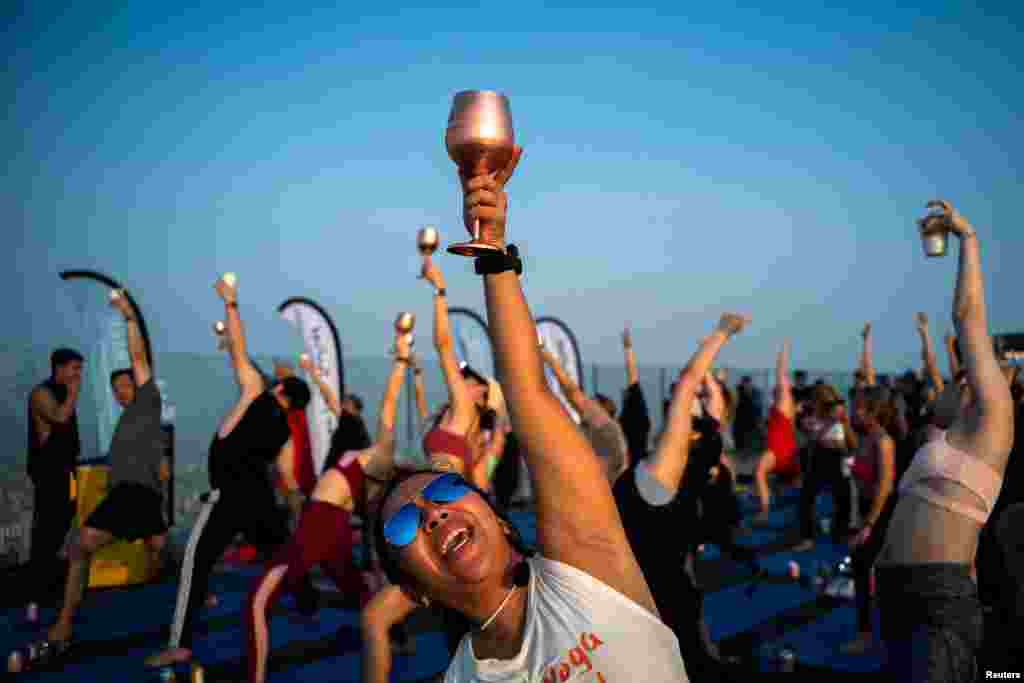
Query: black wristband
x,y
442,292
499,262
232,304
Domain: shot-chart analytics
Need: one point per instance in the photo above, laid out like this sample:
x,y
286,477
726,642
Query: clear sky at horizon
x,y
680,161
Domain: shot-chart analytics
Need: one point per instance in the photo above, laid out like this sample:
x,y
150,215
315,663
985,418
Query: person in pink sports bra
x,y
931,616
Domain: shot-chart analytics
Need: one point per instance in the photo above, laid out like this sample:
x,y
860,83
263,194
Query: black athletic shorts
x,y
130,512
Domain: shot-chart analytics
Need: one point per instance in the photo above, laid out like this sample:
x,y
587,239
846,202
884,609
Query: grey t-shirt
x,y
139,443
607,440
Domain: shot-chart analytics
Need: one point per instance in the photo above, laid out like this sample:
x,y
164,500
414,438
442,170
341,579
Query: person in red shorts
x,y
324,533
780,437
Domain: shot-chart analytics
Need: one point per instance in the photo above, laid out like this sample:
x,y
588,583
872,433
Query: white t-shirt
x,y
578,629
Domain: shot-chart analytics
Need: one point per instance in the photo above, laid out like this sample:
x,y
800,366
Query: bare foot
x,y
173,655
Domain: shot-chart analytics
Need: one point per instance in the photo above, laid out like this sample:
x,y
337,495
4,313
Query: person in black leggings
x,y
833,439
874,469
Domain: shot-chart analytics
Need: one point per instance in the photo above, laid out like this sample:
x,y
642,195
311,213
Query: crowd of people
x,y
920,468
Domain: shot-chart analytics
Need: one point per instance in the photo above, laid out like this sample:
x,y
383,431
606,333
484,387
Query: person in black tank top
x,y
253,437
53,450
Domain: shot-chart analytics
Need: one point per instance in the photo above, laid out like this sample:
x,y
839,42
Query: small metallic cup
x,y
427,240
934,244
933,235
480,140
405,322
198,674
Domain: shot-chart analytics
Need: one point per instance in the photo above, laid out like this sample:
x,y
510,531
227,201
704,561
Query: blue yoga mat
x,y
819,644
729,611
431,657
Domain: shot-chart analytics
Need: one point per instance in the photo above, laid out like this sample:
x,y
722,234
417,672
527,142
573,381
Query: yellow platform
x,y
121,563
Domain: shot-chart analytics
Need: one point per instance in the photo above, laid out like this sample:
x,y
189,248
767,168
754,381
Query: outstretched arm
x,y
381,465
988,426
249,379
136,346
951,352
928,352
866,363
580,402
669,460
632,374
783,389
458,391
330,398
421,393
577,520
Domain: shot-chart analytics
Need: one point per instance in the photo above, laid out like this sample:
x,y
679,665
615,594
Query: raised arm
x,y
669,460
458,391
136,346
577,520
579,401
714,404
988,425
381,465
928,352
422,409
632,375
314,374
783,388
249,379
951,353
866,363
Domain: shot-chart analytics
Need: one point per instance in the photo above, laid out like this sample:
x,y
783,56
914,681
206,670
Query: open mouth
x,y
455,541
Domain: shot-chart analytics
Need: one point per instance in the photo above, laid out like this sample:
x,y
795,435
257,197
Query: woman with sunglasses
x,y
324,534
930,613
583,604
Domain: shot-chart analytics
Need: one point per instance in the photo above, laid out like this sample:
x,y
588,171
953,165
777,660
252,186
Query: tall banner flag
x,y
560,340
472,340
104,334
323,345
104,343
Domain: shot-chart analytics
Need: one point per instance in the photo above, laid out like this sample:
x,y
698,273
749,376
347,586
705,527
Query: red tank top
x,y
779,434
350,468
441,441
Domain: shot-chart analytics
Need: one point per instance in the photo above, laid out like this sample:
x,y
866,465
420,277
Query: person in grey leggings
x,y
930,613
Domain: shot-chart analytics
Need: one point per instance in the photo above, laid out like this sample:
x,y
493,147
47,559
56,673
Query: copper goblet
x,y
405,322
427,239
480,140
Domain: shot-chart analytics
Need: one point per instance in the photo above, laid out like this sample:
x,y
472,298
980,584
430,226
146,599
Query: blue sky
x,y
679,161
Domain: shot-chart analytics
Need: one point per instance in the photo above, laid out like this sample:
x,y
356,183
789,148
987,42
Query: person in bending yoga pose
x,y
874,470
324,534
461,438
253,435
931,616
599,425
780,437
582,604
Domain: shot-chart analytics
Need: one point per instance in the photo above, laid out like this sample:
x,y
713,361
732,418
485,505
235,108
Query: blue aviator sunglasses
x,y
401,528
